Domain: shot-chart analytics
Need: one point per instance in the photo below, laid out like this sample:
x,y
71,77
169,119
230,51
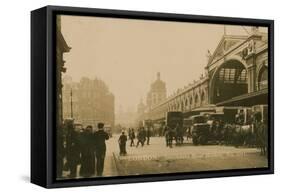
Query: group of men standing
x,y
87,148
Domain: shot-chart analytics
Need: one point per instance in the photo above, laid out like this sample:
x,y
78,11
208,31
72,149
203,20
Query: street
x,y
157,158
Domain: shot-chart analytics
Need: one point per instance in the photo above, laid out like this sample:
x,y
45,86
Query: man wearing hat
x,y
122,143
87,152
100,136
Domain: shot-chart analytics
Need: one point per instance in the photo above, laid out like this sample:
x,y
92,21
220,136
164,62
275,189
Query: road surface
x,y
157,158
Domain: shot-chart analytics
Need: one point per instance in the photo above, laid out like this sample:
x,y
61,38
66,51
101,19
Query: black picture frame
x,y
43,95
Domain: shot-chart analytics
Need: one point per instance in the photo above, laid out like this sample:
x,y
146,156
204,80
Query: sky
x,y
127,53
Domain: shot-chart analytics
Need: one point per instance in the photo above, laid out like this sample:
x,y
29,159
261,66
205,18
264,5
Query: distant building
x,y
157,92
92,102
141,108
125,118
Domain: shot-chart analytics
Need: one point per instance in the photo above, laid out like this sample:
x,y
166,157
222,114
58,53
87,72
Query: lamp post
x,y
71,108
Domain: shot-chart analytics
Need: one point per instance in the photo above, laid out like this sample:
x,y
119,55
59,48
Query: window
x,y
232,75
242,77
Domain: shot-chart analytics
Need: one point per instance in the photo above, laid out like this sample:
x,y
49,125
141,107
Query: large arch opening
x,y
263,78
229,81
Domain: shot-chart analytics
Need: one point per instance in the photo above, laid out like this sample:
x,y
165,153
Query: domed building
x,y
157,92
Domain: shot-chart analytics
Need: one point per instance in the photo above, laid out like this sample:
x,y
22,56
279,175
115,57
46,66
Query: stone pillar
x,y
251,75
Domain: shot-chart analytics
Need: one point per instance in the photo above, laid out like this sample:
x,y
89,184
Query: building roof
x,y
62,43
226,42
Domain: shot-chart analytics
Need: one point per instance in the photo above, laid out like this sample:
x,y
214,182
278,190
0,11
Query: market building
x,y
236,75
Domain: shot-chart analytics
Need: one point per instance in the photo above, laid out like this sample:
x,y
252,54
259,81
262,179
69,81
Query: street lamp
x,y
71,108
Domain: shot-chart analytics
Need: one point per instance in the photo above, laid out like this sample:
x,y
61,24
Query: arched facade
x,y
236,74
229,80
185,100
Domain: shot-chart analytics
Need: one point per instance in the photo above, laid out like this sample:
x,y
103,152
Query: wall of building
x,y
92,102
201,93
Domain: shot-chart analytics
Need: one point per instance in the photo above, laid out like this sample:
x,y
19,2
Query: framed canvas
x,y
126,96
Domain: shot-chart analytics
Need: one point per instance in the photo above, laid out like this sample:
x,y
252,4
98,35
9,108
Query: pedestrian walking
x,y
87,152
141,137
148,135
166,133
100,137
122,143
132,137
179,134
170,136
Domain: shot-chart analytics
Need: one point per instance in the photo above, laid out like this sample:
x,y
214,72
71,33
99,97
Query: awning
x,y
249,99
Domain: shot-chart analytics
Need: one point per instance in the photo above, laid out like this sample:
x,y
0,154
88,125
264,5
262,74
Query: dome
x,y
158,85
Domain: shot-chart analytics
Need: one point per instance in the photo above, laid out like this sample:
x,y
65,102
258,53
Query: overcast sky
x,y
126,54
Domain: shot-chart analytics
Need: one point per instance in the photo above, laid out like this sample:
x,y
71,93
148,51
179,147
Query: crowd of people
x,y
86,148
143,137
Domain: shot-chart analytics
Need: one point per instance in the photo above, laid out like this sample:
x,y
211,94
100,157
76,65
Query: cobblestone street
x,y
157,158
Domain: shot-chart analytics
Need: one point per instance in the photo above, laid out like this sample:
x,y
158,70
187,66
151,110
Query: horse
x,y
262,137
244,135
170,135
179,136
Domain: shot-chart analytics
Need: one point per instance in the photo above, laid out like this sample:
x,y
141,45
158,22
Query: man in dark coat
x,y
141,137
73,149
87,152
148,135
179,134
100,137
132,137
166,133
122,143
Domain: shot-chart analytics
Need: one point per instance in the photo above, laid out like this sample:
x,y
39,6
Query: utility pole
x,y
71,109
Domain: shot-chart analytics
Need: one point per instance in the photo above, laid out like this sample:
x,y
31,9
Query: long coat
x,y
100,137
87,154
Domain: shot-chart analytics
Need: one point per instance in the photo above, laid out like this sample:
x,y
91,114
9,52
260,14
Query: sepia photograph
x,y
143,97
